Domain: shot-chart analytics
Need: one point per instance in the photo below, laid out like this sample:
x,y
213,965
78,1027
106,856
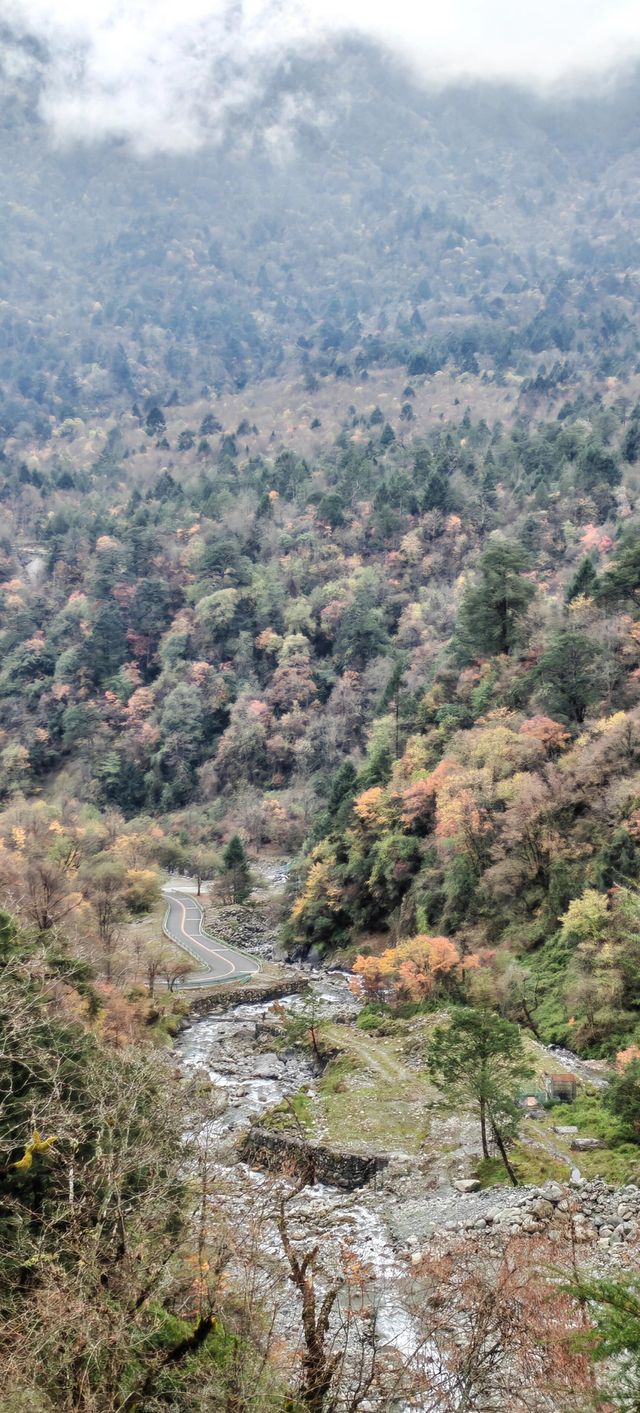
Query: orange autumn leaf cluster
x,y
417,799
549,733
626,1057
417,802
370,807
412,971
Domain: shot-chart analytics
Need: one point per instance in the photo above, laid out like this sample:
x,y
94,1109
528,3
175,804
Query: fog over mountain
x,y
165,75
474,224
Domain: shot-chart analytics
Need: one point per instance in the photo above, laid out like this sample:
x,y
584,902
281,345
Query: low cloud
x,y
166,74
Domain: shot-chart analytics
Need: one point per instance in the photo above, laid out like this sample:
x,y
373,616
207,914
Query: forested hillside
x,y
319,554
392,626
415,660
474,229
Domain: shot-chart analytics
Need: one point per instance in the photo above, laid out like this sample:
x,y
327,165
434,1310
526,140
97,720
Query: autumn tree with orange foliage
x,y
415,970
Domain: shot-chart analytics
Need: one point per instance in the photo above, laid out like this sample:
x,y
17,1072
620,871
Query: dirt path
x,y
375,1055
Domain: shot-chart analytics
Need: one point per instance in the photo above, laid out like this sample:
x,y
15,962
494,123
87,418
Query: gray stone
x,y
552,1192
268,1067
586,1145
540,1207
467,1185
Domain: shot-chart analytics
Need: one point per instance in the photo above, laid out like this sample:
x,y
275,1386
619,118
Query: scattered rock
x,y
268,1067
552,1192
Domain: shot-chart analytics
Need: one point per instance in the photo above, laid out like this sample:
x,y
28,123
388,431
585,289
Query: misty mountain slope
x,y
462,228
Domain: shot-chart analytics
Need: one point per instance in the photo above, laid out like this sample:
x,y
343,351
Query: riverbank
x,y
423,1204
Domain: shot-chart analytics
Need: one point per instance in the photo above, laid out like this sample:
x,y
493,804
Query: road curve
x,y
183,924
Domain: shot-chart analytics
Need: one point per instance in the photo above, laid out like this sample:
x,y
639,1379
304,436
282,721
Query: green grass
x,y
619,1160
533,1167
369,1097
336,1075
371,1021
291,1114
492,1173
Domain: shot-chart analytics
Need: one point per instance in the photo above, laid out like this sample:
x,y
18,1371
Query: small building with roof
x,y
560,1088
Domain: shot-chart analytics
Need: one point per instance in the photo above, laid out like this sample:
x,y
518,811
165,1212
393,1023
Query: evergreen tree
x,y
631,443
622,1098
489,483
569,672
106,647
597,467
617,861
491,610
236,875
614,1306
480,1059
155,423
622,580
583,581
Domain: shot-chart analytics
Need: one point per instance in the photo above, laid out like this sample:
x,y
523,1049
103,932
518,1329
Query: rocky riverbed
x,y
235,1049
419,1200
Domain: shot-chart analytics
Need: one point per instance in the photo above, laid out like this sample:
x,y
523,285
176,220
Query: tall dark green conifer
x,y
490,611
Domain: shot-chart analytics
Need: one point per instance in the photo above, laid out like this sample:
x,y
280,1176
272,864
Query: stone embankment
x,y
284,1153
224,998
591,1211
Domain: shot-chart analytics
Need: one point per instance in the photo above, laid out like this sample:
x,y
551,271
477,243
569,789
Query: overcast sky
x,y
146,67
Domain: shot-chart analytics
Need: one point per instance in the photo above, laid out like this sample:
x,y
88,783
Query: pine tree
x,y
237,875
489,483
570,675
480,1058
631,443
584,580
490,611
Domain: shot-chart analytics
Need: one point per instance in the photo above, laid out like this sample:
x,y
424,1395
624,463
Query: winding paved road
x,y
183,925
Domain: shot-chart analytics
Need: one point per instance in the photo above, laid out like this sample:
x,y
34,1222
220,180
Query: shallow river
x,y
249,1078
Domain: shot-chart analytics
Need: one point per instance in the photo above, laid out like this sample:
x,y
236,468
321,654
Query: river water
x,y
250,1075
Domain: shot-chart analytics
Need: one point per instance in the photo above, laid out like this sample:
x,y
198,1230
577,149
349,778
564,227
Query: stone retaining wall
x,y
223,999
279,1151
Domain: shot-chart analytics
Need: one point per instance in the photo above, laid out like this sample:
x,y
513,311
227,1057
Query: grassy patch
x,y
533,1166
291,1115
619,1160
492,1173
371,1021
370,1095
336,1075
